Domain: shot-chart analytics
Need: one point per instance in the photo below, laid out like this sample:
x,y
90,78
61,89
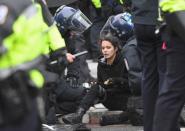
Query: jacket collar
x,y
103,61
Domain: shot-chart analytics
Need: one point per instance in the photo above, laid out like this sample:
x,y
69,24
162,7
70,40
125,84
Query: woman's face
x,y
108,50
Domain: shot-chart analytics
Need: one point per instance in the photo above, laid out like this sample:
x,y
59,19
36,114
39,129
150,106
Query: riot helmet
x,y
68,18
119,25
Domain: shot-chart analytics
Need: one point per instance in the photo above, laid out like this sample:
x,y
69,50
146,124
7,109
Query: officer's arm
x,y
174,12
56,42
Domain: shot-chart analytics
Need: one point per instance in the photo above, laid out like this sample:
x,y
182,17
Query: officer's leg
x,y
147,44
68,98
31,122
64,92
135,110
171,97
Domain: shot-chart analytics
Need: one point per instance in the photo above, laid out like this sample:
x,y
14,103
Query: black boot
x,y
74,118
114,119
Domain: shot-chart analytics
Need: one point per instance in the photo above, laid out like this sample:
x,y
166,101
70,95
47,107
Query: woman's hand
x,y
109,81
115,80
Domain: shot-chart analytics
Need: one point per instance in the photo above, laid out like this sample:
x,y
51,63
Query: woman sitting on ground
x,y
112,88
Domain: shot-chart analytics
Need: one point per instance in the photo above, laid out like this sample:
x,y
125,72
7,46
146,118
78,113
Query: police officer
x,y
171,95
71,23
23,40
75,41
57,60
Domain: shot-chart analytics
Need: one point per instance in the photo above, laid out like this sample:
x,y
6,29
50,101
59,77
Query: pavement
x,y
93,68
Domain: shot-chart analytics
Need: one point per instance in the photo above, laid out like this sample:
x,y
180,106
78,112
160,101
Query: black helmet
x,y
68,18
119,25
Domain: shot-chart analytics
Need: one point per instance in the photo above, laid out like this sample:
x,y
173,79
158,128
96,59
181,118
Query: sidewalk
x,y
93,67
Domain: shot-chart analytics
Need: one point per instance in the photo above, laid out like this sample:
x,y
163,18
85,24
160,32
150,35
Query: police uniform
x,y
22,28
171,96
62,88
145,14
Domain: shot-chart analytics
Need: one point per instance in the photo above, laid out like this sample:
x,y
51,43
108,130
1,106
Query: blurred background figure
x,y
24,38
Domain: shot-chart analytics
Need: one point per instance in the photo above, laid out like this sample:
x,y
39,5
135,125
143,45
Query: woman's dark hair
x,y
113,39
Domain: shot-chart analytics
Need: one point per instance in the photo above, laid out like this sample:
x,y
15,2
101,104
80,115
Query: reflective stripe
x,y
121,1
24,66
96,3
172,5
56,39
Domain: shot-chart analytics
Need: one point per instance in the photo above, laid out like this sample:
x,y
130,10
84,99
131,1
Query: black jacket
x,y
145,11
116,71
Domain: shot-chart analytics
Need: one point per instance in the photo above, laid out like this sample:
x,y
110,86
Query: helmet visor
x,y
106,28
80,22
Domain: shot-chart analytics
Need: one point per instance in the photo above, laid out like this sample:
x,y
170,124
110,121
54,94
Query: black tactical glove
x,y
73,81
